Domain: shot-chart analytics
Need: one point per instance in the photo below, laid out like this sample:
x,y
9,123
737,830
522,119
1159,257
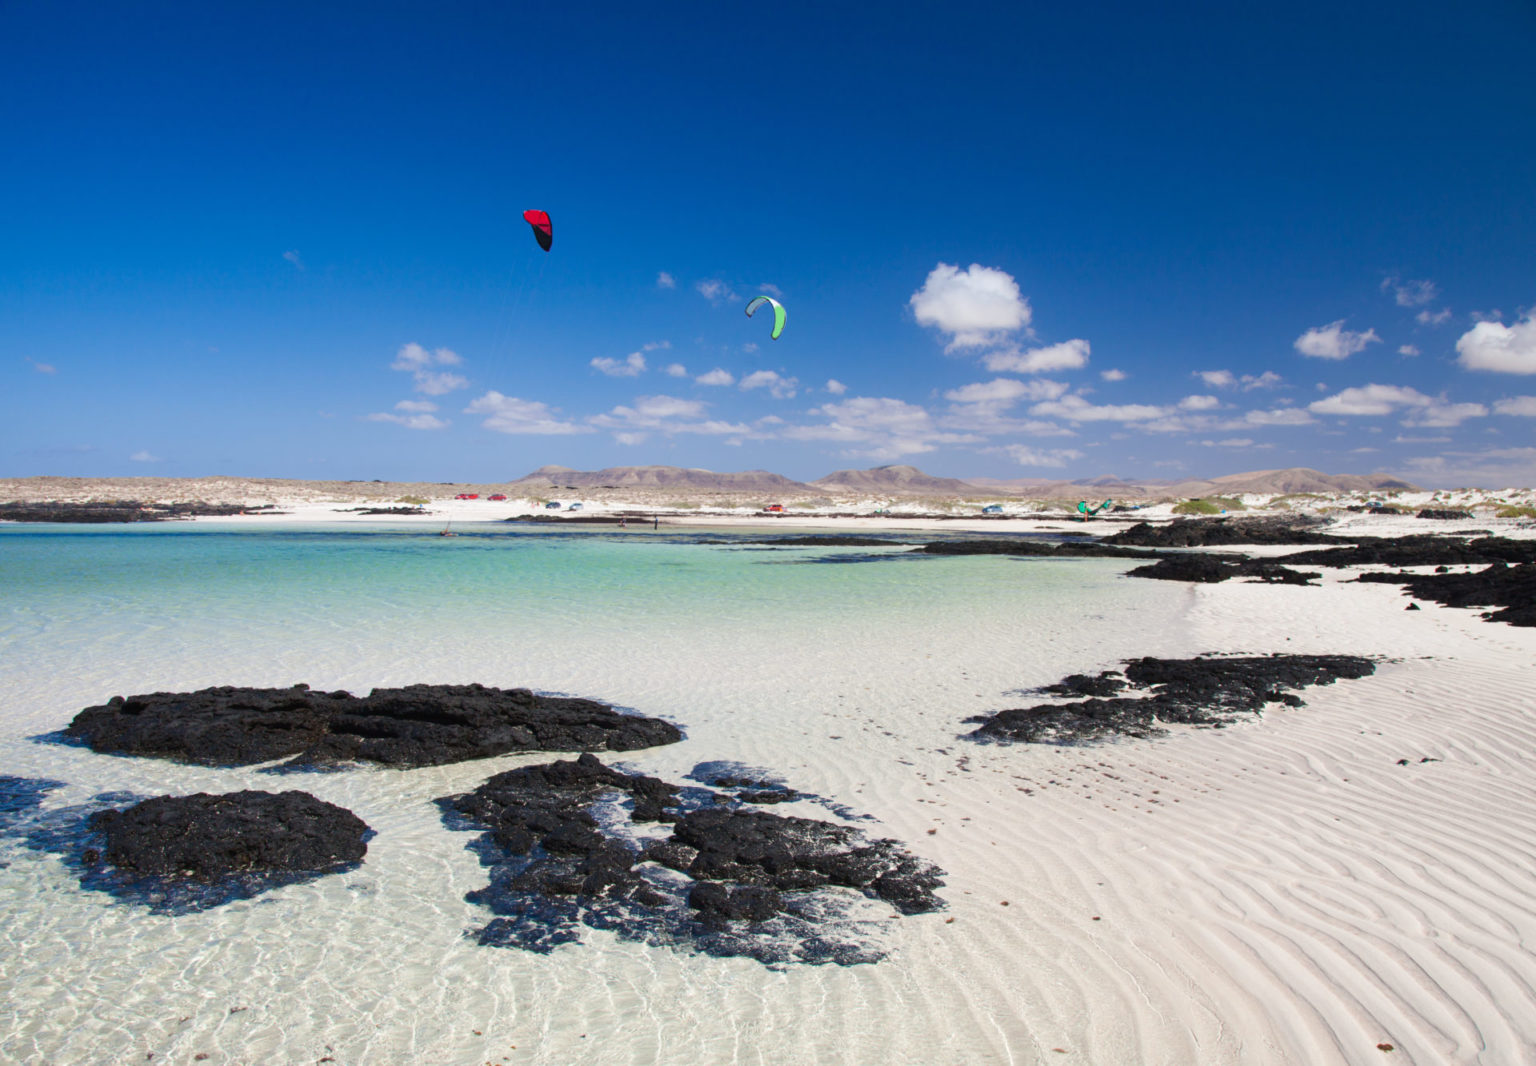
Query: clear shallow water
x,y
848,680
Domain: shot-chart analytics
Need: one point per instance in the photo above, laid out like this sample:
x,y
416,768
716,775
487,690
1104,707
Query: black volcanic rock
x,y
1208,569
573,843
1512,589
1032,548
207,837
1443,514
419,725
1422,549
1204,532
1206,690
118,511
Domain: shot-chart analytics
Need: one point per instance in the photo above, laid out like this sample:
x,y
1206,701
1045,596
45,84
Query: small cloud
x,y
631,438
656,346
143,457
1004,391
1500,348
835,387
780,387
409,421
1417,408
42,368
714,290
415,405
295,258
1077,409
508,414
1024,455
675,370
419,361
716,376
1333,341
1267,380
976,307
1410,293
633,365
1408,350
1217,379
1112,375
749,347
771,290
1068,355
1516,405
1199,403
665,281
1433,318
1230,442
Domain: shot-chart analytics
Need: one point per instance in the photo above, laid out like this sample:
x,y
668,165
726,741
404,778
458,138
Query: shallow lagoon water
x,y
849,682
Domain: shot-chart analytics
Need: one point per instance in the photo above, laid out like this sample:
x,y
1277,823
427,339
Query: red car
x,y
774,508
498,496
467,496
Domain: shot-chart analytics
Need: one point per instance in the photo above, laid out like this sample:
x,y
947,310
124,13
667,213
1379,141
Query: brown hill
x,y
894,480
660,477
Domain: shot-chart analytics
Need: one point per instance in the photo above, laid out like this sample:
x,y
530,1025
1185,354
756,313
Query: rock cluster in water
x,y
206,836
576,843
1151,692
419,725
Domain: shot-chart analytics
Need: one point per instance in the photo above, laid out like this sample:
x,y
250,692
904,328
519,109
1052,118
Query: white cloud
x,y
714,290
143,457
1068,355
1027,456
633,364
419,361
1217,379
1333,341
1005,391
415,405
1516,405
420,421
1077,409
508,414
1433,318
885,428
665,281
1267,380
42,368
1500,348
295,258
781,387
675,370
1230,442
654,346
835,387
976,307
631,438
1408,350
1112,375
1496,468
716,377
1418,409
1283,416
1410,293
1199,403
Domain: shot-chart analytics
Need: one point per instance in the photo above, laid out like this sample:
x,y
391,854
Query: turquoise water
x,y
849,679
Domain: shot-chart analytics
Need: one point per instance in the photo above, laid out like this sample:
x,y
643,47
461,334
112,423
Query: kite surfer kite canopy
x,y
779,314
543,232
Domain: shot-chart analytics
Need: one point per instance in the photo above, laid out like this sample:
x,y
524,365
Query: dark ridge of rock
x,y
119,511
821,542
1105,684
1422,549
206,836
1032,548
388,510
1214,568
1206,690
574,843
419,725
1512,589
1443,514
1203,532
1376,508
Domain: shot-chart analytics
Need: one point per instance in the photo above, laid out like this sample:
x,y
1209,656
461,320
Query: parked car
x,y
552,505
574,507
498,496
774,508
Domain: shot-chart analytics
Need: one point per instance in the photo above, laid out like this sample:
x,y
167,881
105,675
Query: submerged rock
x,y
206,836
419,725
573,843
1210,569
1206,690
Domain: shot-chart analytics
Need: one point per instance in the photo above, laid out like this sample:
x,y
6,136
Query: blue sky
x,y
1014,240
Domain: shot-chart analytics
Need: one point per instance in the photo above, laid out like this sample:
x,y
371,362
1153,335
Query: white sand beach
x,y
1353,881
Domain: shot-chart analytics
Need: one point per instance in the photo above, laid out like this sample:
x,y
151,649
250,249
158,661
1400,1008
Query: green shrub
x,y
419,501
1516,512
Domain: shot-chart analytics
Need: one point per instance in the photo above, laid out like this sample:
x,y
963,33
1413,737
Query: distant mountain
x,y
893,480
901,480
661,477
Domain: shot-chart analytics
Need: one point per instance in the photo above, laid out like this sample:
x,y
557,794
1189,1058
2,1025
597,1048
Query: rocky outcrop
x,y
207,837
1424,549
568,846
1151,693
1205,532
1512,589
419,725
1209,569
120,511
